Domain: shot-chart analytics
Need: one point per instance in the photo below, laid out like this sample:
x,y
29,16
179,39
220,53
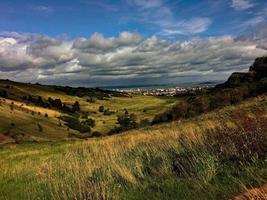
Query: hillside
x,y
25,107
171,161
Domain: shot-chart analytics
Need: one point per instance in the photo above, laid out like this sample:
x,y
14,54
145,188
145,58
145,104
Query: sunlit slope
x,y
144,107
30,123
139,164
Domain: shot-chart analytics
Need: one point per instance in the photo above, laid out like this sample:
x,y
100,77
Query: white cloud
x,y
41,8
187,27
241,4
159,14
147,4
128,58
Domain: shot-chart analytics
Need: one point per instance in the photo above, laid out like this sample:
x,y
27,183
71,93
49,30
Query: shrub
x,y
101,109
96,134
241,143
12,106
236,96
40,128
90,122
76,107
3,93
91,100
201,104
108,112
74,123
220,99
126,122
145,123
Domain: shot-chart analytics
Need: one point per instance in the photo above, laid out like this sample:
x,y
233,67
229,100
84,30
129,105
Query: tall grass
x,y
214,156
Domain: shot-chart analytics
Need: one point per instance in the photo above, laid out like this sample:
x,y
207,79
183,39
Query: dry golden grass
x,y
103,168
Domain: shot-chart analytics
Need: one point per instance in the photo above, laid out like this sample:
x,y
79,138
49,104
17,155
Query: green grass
x,y
136,165
135,104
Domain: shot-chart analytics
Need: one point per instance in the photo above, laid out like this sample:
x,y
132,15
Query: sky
x,y
129,42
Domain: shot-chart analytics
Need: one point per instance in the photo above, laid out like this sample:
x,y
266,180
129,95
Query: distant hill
x,y
237,88
35,112
257,74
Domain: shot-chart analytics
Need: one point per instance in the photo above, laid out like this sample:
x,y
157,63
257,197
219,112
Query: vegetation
x,y
49,103
239,86
213,156
217,149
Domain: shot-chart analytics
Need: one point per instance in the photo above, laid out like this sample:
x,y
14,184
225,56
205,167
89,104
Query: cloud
x,y
186,27
41,8
147,4
127,59
159,14
258,19
241,4
98,43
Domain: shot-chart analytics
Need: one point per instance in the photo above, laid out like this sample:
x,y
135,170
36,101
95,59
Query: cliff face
x,y
256,73
259,67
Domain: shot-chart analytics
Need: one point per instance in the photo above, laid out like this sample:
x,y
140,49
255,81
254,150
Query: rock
x,y
260,67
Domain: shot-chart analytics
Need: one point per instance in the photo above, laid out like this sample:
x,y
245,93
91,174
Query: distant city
x,y
165,90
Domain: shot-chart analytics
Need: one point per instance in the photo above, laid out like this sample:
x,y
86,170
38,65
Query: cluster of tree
x,y
91,92
3,93
54,103
105,111
193,106
81,126
238,87
127,122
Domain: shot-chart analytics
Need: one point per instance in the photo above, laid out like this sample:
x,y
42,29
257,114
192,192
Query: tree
x,y
76,107
40,127
3,93
57,104
40,100
145,123
101,109
90,122
127,122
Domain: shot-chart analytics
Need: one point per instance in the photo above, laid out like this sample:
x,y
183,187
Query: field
x,y
178,160
22,120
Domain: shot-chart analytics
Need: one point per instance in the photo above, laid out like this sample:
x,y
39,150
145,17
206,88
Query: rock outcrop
x,y
257,72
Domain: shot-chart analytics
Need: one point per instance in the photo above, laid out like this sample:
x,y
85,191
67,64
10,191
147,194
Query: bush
x,y
126,122
76,107
40,128
236,96
201,104
74,123
241,143
3,93
180,110
101,109
91,100
90,122
108,112
144,123
220,99
96,134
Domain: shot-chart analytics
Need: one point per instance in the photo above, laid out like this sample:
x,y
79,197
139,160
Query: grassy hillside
x,y
213,156
22,121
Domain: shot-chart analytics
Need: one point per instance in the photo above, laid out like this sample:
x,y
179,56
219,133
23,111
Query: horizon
x,y
134,42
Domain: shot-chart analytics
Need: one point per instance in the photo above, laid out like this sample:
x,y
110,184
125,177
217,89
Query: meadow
x,y
217,155
23,119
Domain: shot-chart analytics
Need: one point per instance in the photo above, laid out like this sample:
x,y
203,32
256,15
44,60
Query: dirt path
x,y
254,194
